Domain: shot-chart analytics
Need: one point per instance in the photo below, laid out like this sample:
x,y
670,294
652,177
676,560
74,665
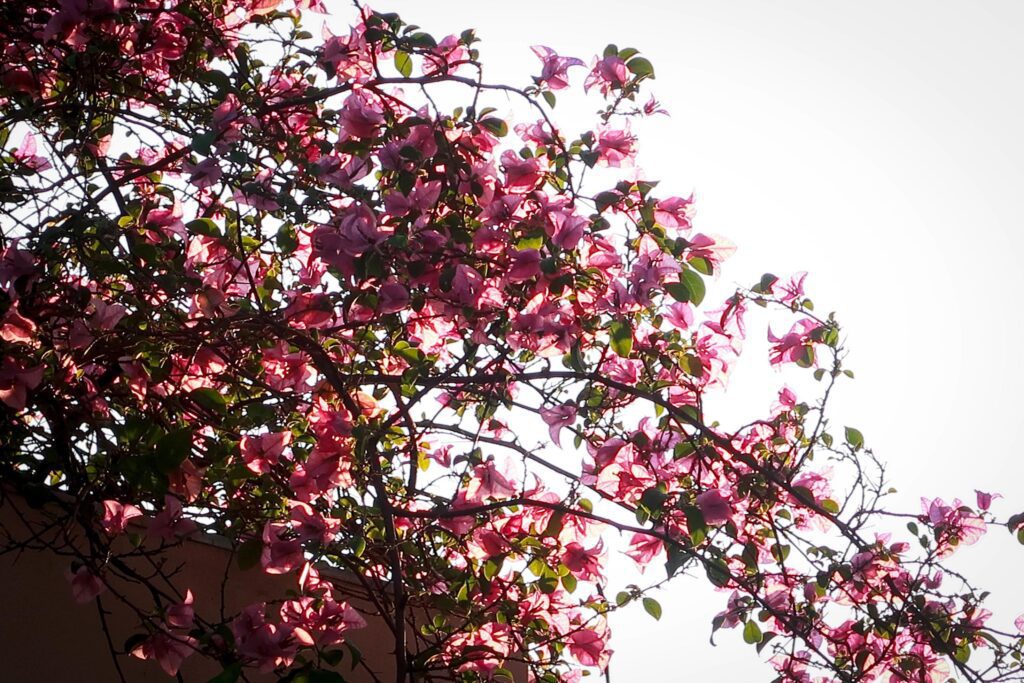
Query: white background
x,y
877,145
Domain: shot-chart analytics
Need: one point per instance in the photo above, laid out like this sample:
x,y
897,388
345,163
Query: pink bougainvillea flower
x,y
584,563
525,265
985,499
26,155
488,482
170,523
167,649
361,116
795,346
116,516
521,175
311,525
555,67
482,651
85,585
16,328
790,290
204,174
566,229
182,614
643,548
282,551
714,507
652,107
261,453
608,73
589,647
955,524
558,417
674,212
16,380
680,315
392,297
615,146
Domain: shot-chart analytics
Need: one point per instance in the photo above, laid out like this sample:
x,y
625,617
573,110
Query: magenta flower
x,y
169,650
117,515
16,328
16,380
558,417
170,523
615,147
262,453
554,72
85,585
795,346
26,155
608,73
714,507
488,482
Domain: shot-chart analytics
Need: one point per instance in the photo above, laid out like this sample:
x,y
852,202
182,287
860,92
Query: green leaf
x,y
690,288
605,199
695,283
203,142
677,558
652,607
203,226
752,633
830,506
403,62
641,67
653,499
496,126
172,449
696,525
549,97
287,239
718,573
209,398
249,554
854,438
621,338
702,265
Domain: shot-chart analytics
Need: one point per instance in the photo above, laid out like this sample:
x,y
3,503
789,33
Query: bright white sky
x,y
877,145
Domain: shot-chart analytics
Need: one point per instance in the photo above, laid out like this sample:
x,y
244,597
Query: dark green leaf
x,y
496,126
652,607
621,337
249,553
172,449
641,67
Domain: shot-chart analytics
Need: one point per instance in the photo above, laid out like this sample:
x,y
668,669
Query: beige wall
x,y
45,636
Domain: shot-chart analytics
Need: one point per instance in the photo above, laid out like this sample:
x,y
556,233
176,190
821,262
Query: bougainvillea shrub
x,y
268,283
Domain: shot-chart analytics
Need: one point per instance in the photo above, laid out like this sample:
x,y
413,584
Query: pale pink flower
x,y
558,417
116,516
714,507
555,67
85,585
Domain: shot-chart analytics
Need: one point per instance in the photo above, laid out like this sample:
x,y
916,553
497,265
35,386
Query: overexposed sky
x,y
877,145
